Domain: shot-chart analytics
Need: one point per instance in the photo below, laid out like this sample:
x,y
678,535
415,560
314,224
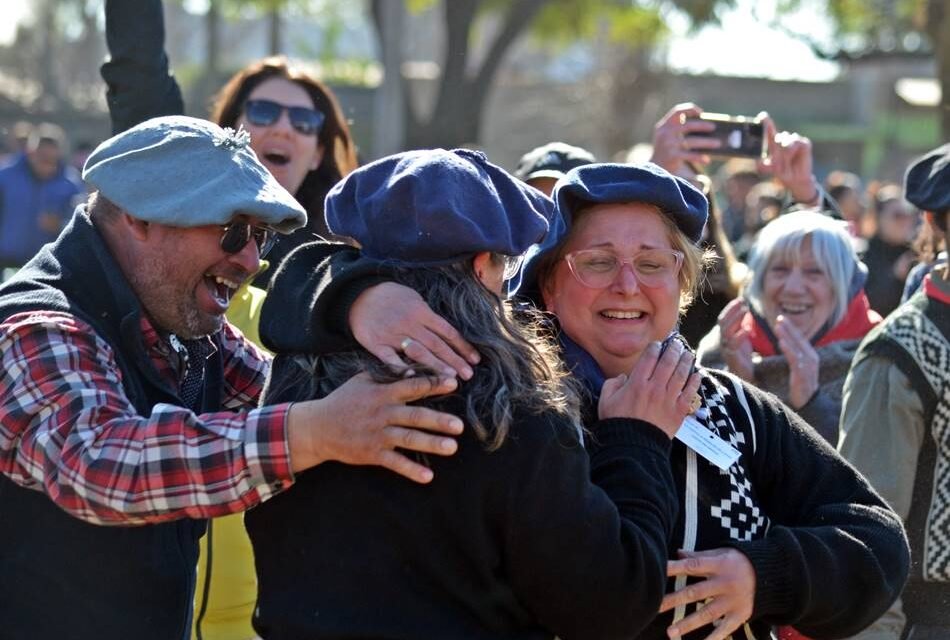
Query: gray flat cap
x,y
187,172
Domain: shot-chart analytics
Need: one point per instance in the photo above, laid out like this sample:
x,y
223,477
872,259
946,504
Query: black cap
x,y
927,181
552,160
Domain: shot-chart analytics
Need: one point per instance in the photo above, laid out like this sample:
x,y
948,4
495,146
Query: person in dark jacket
x,y
300,135
38,191
889,255
524,534
297,127
128,404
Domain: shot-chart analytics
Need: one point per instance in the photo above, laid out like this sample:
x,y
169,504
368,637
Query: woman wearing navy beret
x,y
522,532
773,528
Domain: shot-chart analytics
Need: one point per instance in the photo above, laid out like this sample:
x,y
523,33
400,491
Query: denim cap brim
x,y
187,172
927,181
603,183
435,207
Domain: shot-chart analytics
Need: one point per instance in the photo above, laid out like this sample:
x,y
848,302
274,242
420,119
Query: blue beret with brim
x,y
434,207
646,183
187,172
927,181
603,183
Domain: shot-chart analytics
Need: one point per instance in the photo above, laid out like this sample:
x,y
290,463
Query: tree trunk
x,y
938,27
389,118
275,32
633,83
51,96
212,40
457,117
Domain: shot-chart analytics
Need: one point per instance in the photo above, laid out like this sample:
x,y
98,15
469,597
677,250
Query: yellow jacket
x,y
224,612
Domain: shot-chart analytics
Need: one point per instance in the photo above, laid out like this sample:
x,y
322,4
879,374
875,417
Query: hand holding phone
x,y
790,161
678,143
737,136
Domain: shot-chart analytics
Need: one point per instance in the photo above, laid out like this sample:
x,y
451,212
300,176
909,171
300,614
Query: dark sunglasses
x,y
237,234
263,113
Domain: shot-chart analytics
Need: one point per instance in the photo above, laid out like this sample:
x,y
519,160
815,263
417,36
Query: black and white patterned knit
x,y
808,523
926,344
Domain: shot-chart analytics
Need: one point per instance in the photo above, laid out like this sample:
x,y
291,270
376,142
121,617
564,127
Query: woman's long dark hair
x,y
519,365
340,152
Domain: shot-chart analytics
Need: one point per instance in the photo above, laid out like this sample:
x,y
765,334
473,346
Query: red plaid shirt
x,y
68,429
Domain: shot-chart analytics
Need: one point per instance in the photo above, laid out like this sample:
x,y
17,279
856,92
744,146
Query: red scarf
x,y
933,291
858,319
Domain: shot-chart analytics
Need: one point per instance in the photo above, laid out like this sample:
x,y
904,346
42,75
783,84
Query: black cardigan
x,y
834,556
532,540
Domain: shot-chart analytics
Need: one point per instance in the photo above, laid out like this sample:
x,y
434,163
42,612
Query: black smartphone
x,y
739,136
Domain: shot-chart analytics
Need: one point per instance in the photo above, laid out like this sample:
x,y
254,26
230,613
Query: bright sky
x,y
15,11
741,46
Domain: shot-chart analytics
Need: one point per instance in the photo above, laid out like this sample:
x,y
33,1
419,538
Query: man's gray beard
x,y
167,308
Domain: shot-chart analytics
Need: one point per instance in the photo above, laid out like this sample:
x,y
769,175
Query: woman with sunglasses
x,y
774,527
297,131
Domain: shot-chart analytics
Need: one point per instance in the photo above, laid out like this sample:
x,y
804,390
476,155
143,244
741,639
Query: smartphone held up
x,y
738,136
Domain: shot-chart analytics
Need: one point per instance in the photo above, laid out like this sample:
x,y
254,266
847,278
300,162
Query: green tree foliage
x,y
893,27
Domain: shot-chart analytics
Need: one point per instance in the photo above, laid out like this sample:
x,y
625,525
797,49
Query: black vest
x,y
921,351
60,577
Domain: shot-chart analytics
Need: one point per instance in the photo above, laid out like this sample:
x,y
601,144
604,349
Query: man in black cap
x,y
543,166
895,422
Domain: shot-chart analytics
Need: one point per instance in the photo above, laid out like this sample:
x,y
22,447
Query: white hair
x,y
782,239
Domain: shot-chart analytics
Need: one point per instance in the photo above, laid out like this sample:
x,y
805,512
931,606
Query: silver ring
x,y
405,344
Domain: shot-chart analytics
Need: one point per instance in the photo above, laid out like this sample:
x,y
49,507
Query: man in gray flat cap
x,y
127,400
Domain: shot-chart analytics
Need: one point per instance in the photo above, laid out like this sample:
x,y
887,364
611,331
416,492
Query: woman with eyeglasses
x,y
774,527
522,533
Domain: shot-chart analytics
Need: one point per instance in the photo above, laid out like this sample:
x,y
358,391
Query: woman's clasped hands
x,y
659,390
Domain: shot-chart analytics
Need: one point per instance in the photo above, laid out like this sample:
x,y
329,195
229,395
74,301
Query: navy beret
x,y
609,183
927,181
186,172
646,183
435,207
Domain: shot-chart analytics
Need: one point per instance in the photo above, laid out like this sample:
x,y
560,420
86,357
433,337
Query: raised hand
x,y
790,161
673,144
735,344
803,362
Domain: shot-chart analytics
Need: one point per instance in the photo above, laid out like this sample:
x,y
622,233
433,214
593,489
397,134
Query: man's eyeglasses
x,y
237,234
597,268
263,113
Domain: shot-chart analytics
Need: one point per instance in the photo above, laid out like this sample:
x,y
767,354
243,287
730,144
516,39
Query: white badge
x,y
707,444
